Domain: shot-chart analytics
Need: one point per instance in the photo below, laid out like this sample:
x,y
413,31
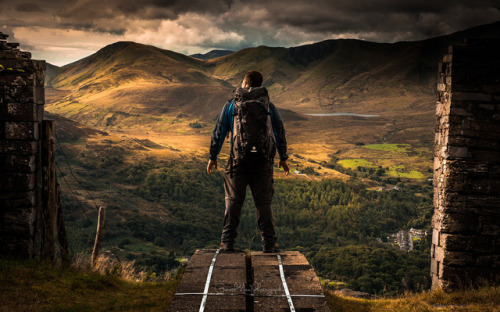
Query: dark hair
x,y
253,78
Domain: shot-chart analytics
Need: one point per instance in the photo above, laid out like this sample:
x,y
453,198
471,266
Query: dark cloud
x,y
410,17
157,9
29,7
185,25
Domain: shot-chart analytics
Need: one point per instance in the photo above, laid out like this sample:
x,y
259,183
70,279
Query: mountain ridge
x,y
393,80
211,54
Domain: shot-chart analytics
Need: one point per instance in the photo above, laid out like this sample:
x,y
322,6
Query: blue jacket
x,y
224,124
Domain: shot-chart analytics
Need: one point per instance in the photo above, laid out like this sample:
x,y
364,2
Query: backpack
x,y
253,136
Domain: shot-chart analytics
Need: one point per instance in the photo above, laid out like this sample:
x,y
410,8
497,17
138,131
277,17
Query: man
x,y
256,131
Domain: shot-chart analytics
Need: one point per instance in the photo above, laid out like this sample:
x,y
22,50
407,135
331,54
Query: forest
x,y
341,227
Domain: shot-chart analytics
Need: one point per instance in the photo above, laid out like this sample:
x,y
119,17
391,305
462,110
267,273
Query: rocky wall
x,y
21,113
465,247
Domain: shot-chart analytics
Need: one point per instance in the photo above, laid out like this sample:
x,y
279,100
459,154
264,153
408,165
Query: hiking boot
x,y
226,247
272,248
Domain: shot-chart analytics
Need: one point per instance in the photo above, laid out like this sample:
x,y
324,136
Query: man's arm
x,y
220,132
279,132
218,136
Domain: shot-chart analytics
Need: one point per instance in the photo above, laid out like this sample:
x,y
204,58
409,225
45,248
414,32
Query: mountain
x,y
212,54
394,80
132,78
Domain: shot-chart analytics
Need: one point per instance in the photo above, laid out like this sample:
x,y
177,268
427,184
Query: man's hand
x,y
211,163
283,164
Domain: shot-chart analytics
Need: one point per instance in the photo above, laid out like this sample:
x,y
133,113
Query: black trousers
x,y
259,176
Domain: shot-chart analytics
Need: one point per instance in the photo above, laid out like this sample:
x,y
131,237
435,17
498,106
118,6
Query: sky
x,y
63,31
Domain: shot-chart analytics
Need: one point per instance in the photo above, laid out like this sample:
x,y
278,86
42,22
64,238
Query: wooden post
x,y
98,235
49,204
61,229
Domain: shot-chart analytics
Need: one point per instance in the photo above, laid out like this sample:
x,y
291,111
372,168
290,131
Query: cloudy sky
x,y
62,31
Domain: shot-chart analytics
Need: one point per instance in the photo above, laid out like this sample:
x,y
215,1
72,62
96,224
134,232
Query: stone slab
x,y
262,304
227,291
226,303
186,303
266,276
229,274
195,275
228,277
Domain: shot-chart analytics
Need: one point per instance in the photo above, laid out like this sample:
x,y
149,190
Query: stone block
x,y
449,198
19,216
450,273
39,95
439,109
491,88
483,186
40,72
467,168
447,58
437,163
477,142
21,130
485,155
19,147
457,152
488,261
440,68
20,163
455,258
39,112
18,182
22,112
456,242
456,184
459,111
486,135
455,223
482,124
17,78
17,200
19,94
490,225
472,96
494,170
489,107
435,237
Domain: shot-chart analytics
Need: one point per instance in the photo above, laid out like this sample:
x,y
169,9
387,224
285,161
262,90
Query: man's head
x,y
252,79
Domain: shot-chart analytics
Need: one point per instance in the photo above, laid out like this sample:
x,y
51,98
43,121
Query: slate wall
x,y
21,113
466,224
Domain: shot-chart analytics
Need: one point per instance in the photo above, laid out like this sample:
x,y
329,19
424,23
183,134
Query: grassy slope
x,y
486,299
27,285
